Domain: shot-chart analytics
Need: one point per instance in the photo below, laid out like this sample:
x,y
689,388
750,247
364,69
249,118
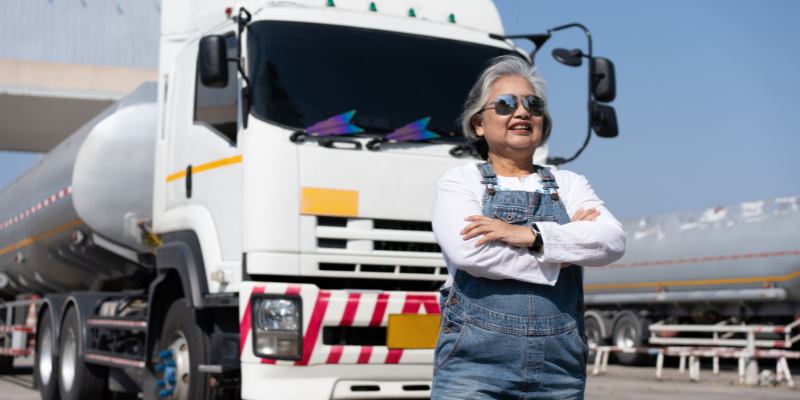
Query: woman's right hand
x,y
583,215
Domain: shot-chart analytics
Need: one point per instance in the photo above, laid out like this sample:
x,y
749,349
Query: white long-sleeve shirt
x,y
586,243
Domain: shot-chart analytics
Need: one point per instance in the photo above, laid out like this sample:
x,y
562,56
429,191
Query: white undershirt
x,y
586,243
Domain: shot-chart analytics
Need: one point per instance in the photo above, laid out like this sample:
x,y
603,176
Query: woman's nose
x,y
520,112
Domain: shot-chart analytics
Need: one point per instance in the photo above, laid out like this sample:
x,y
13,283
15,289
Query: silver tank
x,y
734,258
70,221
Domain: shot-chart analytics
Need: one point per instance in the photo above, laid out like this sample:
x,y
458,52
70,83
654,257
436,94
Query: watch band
x,y
537,243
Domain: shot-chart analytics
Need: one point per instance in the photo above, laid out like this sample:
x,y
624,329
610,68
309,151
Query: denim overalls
x,y
508,339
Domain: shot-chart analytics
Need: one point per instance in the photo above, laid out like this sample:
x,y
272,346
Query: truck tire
x,y
628,334
594,336
77,379
45,362
185,338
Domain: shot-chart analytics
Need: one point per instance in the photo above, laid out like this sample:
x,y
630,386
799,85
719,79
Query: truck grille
x,y
407,246
374,247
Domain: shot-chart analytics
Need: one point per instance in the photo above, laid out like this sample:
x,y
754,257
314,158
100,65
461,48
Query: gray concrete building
x,y
63,61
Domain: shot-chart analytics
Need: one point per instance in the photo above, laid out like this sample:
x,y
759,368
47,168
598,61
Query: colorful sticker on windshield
x,y
336,125
416,130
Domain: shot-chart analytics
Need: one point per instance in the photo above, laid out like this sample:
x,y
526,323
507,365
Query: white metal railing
x,y
695,353
750,342
716,347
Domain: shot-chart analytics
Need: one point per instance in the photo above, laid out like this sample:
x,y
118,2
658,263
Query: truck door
x,y
204,172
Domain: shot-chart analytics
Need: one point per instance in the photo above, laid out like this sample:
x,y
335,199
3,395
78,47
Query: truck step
x,y
120,323
110,359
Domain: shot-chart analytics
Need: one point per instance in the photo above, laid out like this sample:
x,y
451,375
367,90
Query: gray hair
x,y
500,67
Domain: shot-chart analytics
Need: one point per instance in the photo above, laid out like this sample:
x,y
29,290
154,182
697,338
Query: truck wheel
x,y
628,334
184,345
45,363
77,379
594,336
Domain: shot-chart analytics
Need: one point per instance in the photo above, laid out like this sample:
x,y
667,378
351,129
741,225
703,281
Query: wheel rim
x,y
592,337
626,337
69,351
45,356
180,350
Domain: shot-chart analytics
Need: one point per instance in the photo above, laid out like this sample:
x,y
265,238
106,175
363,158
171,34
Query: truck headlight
x,y
277,326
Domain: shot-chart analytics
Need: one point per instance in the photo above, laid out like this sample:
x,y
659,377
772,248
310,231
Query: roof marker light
x,y
372,6
330,3
411,12
452,18
228,11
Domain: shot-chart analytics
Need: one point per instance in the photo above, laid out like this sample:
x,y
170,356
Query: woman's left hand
x,y
494,229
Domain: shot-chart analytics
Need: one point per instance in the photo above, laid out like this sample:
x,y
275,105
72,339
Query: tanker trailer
x,y
705,266
73,222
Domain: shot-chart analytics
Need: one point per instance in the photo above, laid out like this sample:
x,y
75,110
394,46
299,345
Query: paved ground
x,y
618,383
20,385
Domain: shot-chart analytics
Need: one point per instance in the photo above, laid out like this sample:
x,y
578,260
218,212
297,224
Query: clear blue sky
x,y
708,94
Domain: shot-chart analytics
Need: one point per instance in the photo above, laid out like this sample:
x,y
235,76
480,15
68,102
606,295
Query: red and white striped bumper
x,y
323,366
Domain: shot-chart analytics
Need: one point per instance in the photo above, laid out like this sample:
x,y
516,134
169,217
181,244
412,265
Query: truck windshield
x,y
304,73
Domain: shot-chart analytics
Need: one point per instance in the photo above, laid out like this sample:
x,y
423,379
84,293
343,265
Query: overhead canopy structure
x,y
61,63
41,103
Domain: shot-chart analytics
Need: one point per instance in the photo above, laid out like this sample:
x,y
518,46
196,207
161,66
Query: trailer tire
x,y
77,379
45,362
185,332
628,334
594,336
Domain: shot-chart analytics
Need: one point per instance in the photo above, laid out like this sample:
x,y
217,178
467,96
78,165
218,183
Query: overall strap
x,y
548,181
489,178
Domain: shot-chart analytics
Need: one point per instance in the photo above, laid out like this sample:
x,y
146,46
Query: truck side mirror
x,y
605,89
604,121
212,61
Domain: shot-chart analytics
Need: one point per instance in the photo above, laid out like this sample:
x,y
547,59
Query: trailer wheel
x,y
45,363
628,334
77,379
184,345
594,336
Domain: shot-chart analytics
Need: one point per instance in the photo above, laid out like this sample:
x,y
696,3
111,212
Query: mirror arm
x,y
242,22
592,79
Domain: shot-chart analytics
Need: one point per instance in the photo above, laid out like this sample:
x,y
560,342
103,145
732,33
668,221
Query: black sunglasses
x,y
506,104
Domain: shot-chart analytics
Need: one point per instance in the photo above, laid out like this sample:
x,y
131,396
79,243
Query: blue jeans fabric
x,y
507,339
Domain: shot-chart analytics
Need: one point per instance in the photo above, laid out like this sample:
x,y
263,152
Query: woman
x,y
515,237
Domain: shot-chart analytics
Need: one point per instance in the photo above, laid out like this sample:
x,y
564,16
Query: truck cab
x,y
296,180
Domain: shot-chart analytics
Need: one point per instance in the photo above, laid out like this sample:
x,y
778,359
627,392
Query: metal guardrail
x,y
713,348
695,353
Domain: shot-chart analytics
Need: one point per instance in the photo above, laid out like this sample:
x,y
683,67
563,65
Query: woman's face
x,y
517,133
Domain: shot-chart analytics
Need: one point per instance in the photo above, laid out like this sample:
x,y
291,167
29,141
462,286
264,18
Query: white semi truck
x,y
256,224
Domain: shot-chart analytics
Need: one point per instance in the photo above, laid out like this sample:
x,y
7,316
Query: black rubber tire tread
x,y
195,328
90,380
593,324
49,391
630,358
